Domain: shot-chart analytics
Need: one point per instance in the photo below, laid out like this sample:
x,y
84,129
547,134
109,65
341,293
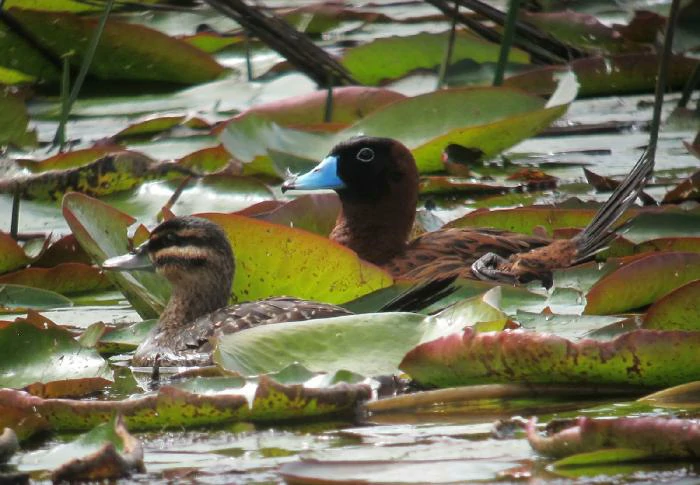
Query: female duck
x,y
195,256
377,182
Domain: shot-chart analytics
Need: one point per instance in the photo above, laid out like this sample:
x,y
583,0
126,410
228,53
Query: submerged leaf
x,y
640,357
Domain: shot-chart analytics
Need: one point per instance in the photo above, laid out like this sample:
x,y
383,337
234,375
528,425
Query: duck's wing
x,y
451,252
255,313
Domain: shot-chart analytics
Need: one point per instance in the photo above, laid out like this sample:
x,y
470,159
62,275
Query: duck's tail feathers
x,y
421,295
597,234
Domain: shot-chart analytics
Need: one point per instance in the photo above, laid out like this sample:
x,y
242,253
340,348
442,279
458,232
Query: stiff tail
x,y
597,234
421,295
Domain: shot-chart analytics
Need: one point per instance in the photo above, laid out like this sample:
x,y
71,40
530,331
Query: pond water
x,y
440,444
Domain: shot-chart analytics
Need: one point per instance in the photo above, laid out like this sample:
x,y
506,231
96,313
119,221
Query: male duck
x,y
377,182
196,258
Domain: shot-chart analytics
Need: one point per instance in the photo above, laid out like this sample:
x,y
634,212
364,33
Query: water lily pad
x,y
66,278
125,51
20,298
208,160
655,275
658,436
172,407
66,160
617,74
106,452
37,353
102,232
526,219
315,213
124,338
642,357
14,121
114,172
275,260
369,344
678,310
393,57
350,104
12,256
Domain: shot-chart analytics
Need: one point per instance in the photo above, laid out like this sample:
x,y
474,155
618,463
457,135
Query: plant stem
x,y
84,67
508,36
664,63
689,87
14,221
448,52
248,61
328,112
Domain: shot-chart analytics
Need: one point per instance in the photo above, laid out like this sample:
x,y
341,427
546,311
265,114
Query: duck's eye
x,y
170,237
365,155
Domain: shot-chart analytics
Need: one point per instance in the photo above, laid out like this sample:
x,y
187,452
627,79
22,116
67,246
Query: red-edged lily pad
x,y
66,278
12,256
173,407
126,51
641,357
654,276
656,436
38,355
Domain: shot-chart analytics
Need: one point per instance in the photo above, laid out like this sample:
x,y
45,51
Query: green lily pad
x,y
107,452
678,310
681,244
526,219
66,278
114,172
125,51
604,76
350,103
18,297
66,160
14,121
654,276
102,232
273,260
369,344
125,338
662,224
39,354
642,357
485,119
315,213
208,160
175,408
12,256
390,58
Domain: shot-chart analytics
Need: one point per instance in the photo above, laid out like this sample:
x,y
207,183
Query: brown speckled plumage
x,y
196,258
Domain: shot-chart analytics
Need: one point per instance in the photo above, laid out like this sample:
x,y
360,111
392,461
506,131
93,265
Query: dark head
x,y
194,255
377,182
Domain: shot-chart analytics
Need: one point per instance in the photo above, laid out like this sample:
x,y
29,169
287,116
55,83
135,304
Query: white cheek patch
x,y
182,252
